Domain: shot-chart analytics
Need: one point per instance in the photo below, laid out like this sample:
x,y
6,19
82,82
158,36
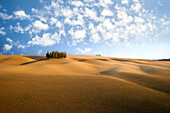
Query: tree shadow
x,y
35,57
80,60
33,61
101,59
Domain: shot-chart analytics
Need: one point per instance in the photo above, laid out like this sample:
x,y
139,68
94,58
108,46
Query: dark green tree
x,y
47,55
64,55
57,54
53,54
50,55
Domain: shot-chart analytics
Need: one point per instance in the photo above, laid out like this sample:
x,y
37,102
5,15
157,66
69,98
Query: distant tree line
x,y
56,54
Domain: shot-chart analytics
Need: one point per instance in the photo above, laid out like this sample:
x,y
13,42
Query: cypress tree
x,y
57,54
47,55
53,54
50,55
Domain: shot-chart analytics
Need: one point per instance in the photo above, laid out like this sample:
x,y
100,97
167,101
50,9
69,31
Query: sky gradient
x,y
117,28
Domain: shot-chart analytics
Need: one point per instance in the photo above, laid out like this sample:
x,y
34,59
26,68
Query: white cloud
x,y
46,40
17,28
1,31
53,20
85,43
125,2
108,24
139,19
95,38
5,16
67,12
136,1
74,22
105,3
9,40
117,21
122,13
137,6
89,0
124,18
41,26
21,14
21,46
56,37
77,3
7,47
59,24
91,13
78,35
107,12
86,50
12,44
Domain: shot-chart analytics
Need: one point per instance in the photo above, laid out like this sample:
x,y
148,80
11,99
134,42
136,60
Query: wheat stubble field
x,y
83,84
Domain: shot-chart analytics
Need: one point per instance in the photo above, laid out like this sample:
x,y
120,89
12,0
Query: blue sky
x,y
117,28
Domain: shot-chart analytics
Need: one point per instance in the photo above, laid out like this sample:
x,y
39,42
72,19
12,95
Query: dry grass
x,y
84,84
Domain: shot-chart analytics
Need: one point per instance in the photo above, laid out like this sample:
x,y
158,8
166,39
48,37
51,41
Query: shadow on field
x,y
124,60
152,82
33,61
101,59
80,60
34,57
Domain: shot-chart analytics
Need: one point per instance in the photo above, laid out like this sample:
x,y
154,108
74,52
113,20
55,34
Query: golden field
x,y
83,84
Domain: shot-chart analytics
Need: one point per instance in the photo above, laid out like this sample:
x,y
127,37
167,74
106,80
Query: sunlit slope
x,y
83,84
14,59
78,93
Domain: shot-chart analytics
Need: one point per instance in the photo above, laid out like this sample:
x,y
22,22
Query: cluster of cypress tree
x,y
56,54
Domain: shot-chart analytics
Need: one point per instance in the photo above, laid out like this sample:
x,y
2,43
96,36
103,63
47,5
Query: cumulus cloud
x,y
7,47
77,35
46,40
53,20
9,40
39,25
116,22
125,2
95,38
12,44
107,12
97,21
56,37
5,16
86,50
17,28
21,14
2,32
91,13
137,6
21,46
105,3
77,3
